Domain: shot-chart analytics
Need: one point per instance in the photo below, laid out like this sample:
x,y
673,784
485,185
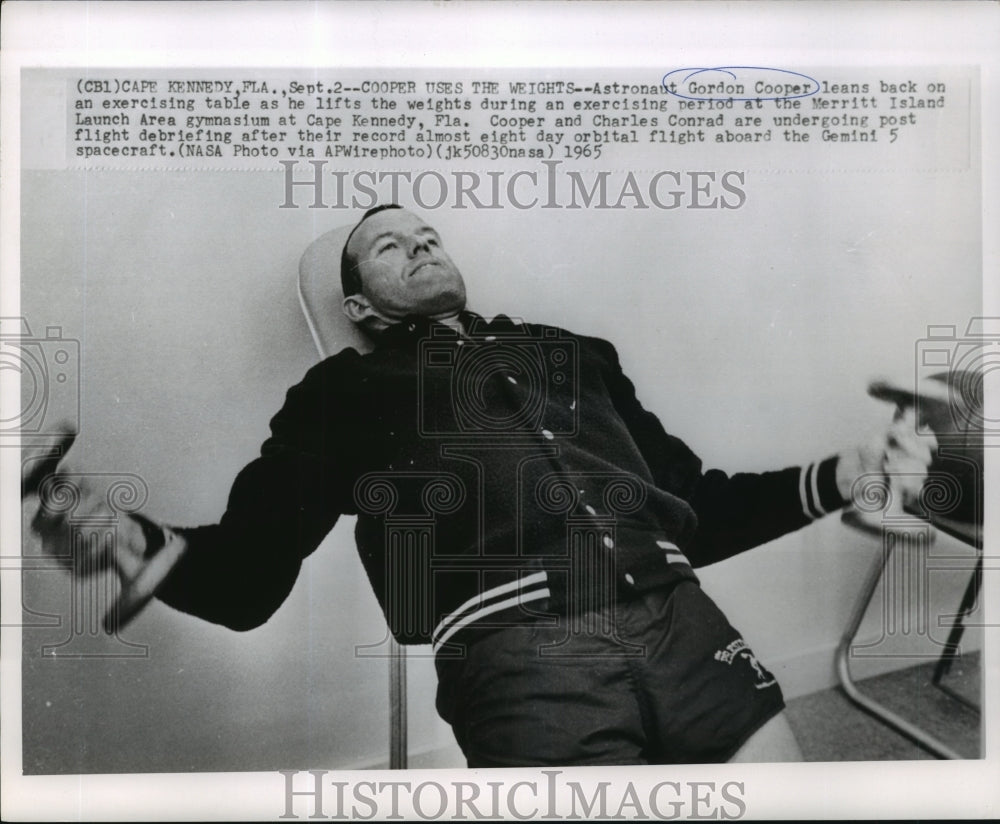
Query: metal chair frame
x,y
327,244
968,534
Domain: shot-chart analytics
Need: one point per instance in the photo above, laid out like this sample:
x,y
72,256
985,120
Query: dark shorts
x,y
661,679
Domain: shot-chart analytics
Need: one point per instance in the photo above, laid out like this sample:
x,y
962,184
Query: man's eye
x,y
386,246
432,241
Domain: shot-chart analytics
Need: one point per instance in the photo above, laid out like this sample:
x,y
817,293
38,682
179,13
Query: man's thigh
x,y
522,698
673,682
704,692
773,743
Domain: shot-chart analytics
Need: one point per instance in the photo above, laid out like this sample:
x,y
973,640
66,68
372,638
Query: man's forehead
x,y
387,221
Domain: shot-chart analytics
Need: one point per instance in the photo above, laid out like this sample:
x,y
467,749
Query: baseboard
x,y
809,671
425,758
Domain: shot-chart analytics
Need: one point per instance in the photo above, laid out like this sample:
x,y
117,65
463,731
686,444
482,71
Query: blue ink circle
x,y
730,70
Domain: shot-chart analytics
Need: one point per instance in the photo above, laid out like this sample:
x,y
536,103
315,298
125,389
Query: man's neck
x,y
452,319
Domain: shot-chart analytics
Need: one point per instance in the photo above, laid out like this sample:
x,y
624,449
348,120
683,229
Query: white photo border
x,y
861,34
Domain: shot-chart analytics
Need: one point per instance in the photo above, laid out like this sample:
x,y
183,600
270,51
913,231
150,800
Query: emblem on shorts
x,y
740,649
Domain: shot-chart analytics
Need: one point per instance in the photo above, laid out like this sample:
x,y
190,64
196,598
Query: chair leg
x,y
397,706
950,651
869,705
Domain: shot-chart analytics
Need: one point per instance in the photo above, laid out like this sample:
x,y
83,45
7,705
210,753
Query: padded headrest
x,y
322,297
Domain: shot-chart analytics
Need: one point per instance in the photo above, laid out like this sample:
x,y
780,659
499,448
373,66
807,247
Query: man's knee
x,y
773,742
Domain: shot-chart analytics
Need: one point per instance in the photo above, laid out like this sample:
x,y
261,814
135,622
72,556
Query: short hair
x,y
350,277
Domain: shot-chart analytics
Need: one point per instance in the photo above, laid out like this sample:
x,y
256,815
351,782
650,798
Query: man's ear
x,y
357,308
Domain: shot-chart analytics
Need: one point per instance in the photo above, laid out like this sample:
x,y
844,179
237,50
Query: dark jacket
x,y
493,475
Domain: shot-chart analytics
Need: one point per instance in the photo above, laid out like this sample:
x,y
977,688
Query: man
x,y
521,512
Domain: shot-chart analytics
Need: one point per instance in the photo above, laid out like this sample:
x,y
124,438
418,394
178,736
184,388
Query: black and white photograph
x,y
499,411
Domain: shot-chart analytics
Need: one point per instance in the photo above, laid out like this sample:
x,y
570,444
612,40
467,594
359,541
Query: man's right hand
x,y
899,453
53,489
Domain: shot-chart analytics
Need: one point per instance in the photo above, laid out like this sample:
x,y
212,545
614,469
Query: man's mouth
x,y
422,265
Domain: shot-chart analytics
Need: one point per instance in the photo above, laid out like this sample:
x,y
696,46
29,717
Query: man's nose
x,y
418,244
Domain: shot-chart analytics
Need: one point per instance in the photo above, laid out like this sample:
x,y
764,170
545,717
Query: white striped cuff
x,y
529,588
809,492
673,552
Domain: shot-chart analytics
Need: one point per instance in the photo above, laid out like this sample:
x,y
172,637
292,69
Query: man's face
x,y
403,267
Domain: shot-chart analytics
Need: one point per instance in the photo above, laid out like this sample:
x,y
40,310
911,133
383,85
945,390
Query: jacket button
x,y
608,542
547,435
629,579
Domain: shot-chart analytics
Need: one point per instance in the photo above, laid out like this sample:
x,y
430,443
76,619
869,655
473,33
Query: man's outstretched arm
x,y
281,506
238,572
744,510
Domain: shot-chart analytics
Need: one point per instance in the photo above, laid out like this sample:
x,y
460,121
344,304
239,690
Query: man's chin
x,y
443,303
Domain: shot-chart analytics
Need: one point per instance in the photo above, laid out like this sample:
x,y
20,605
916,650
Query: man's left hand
x,y
900,453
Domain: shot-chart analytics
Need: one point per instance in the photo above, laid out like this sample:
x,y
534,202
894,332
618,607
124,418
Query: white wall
x,y
752,334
